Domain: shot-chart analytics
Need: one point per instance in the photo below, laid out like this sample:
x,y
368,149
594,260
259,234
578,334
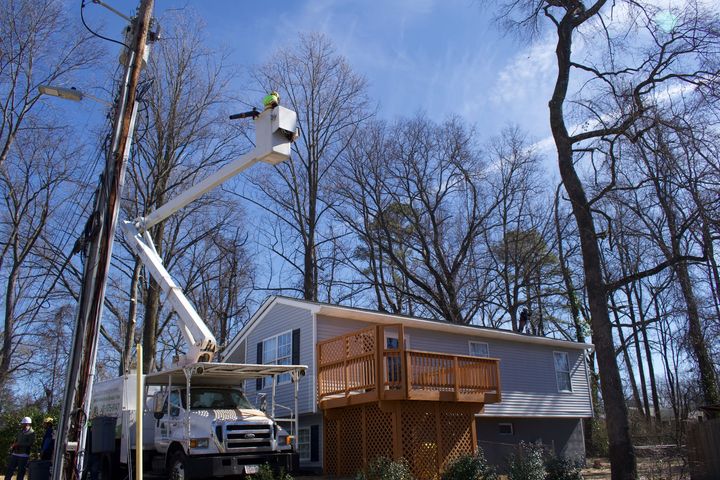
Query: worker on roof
x,y
20,450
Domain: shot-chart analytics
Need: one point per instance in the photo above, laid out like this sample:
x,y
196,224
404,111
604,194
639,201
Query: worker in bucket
x,y
20,450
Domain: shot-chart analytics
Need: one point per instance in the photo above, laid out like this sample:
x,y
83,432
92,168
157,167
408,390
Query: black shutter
x,y
259,381
296,347
314,443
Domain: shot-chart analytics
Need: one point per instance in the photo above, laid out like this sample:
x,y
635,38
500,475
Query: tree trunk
x,y
131,320
628,361
698,344
152,306
622,454
9,326
648,355
638,354
708,379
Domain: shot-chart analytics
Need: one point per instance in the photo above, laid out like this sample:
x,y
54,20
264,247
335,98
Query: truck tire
x,y
176,468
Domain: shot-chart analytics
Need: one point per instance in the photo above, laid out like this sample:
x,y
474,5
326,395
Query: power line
x,y
82,17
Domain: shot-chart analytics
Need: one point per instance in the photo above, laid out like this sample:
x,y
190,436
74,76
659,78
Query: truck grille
x,y
244,437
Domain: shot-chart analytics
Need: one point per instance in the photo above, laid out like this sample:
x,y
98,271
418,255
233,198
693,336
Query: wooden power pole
x,y
70,448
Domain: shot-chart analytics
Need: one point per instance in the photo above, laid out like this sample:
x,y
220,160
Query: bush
x,y
561,468
470,467
265,472
10,426
383,468
528,464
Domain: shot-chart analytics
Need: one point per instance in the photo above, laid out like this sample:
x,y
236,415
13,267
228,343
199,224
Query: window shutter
x,y
259,381
296,346
314,443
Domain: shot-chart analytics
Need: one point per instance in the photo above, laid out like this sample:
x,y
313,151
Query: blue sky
x,y
442,57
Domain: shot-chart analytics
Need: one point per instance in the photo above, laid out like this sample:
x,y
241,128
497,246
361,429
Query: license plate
x,y
251,469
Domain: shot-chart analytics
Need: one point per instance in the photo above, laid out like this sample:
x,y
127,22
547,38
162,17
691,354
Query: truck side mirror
x,y
262,402
158,405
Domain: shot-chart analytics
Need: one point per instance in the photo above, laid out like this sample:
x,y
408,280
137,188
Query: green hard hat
x,y
270,98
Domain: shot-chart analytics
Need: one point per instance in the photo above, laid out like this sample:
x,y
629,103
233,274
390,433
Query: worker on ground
x,y
20,450
48,441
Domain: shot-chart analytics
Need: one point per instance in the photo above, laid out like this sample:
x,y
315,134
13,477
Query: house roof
x,y
374,316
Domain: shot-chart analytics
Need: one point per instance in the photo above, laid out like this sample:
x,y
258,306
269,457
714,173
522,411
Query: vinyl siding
x,y
277,319
238,355
527,371
564,434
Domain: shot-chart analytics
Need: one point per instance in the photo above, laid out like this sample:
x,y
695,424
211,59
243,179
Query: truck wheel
x,y
177,467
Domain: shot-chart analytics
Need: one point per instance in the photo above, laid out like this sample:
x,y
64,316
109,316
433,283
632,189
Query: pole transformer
x,y
98,236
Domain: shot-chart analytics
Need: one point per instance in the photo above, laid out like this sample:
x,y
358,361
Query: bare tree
x,y
331,103
30,187
426,203
614,101
520,244
182,134
38,45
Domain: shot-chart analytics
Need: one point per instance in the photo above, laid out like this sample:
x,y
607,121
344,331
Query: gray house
x,y
516,387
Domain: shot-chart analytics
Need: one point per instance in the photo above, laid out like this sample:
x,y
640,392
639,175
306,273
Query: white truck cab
x,y
221,433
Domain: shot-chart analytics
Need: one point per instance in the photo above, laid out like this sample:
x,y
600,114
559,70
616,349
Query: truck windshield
x,y
204,398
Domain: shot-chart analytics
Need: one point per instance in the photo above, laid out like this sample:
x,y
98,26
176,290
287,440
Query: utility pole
x,y
97,242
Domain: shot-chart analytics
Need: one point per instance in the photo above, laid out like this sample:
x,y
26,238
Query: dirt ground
x,y
649,468
597,469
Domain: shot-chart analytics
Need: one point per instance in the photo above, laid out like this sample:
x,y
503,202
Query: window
x,y
479,349
562,371
175,400
505,428
277,350
304,444
202,398
393,360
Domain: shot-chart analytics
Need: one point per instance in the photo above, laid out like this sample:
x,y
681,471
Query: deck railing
x,y
356,368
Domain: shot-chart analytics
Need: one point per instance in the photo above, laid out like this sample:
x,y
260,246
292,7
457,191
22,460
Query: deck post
x,y
473,431
403,359
379,331
408,375
438,437
346,344
456,374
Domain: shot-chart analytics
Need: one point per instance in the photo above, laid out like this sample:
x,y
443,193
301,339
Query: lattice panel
x,y
332,351
362,342
456,432
431,435
350,458
330,447
379,433
419,442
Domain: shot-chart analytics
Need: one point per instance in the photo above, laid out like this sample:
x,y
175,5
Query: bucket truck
x,y
196,420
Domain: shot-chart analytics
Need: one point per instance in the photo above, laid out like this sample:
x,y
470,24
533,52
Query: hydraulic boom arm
x,y
275,130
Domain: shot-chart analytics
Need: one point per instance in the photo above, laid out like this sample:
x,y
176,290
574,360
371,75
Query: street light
x,y
71,93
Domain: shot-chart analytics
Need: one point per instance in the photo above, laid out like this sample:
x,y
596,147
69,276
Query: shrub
x,y
470,467
528,464
561,468
383,468
265,472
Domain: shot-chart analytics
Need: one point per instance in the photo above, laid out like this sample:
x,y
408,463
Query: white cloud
x,y
528,74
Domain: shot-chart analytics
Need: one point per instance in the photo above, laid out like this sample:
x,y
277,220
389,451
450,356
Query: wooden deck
x,y
356,368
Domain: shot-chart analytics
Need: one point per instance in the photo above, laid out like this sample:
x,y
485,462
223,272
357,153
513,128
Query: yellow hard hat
x,y
49,420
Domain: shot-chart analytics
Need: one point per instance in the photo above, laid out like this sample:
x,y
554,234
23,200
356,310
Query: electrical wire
x,y
82,17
